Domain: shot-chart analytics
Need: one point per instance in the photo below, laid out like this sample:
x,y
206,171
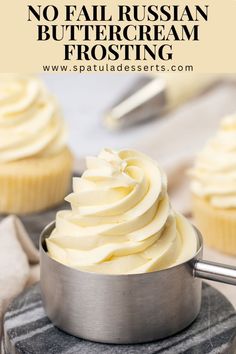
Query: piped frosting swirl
x,y
30,120
214,173
121,220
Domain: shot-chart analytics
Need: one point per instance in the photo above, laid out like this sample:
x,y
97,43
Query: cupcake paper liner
x,y
34,184
218,226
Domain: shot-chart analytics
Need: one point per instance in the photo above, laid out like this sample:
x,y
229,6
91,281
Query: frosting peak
x,y
121,220
214,173
30,120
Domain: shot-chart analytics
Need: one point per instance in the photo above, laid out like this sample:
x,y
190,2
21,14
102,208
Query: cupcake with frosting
x,y
35,162
121,220
214,188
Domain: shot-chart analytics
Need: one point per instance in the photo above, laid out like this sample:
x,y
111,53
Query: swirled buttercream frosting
x,y
121,221
30,120
214,173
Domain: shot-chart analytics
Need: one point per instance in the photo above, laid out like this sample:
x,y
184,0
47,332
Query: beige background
x,y
20,52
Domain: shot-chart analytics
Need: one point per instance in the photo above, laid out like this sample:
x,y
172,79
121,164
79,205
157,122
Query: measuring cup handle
x,y
215,271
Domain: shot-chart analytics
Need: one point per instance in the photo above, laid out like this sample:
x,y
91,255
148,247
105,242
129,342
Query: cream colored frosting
x,y
214,173
121,220
30,120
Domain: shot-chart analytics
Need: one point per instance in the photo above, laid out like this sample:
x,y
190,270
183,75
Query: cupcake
x,y
35,163
213,188
121,220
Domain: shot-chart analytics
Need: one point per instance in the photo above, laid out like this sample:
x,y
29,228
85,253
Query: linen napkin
x,y
18,261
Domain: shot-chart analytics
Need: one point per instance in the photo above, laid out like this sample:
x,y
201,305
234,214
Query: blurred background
x,y
194,104
86,99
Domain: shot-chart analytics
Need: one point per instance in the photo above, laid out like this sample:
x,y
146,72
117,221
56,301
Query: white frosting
x,y
121,220
30,120
214,173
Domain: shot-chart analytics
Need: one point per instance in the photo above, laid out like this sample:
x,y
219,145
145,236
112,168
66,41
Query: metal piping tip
x,y
156,97
139,105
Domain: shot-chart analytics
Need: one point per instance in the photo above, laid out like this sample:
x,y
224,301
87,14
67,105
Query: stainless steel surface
x,y
215,271
120,309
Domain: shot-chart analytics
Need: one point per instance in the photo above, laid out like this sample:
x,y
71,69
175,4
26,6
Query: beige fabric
x,y
18,261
